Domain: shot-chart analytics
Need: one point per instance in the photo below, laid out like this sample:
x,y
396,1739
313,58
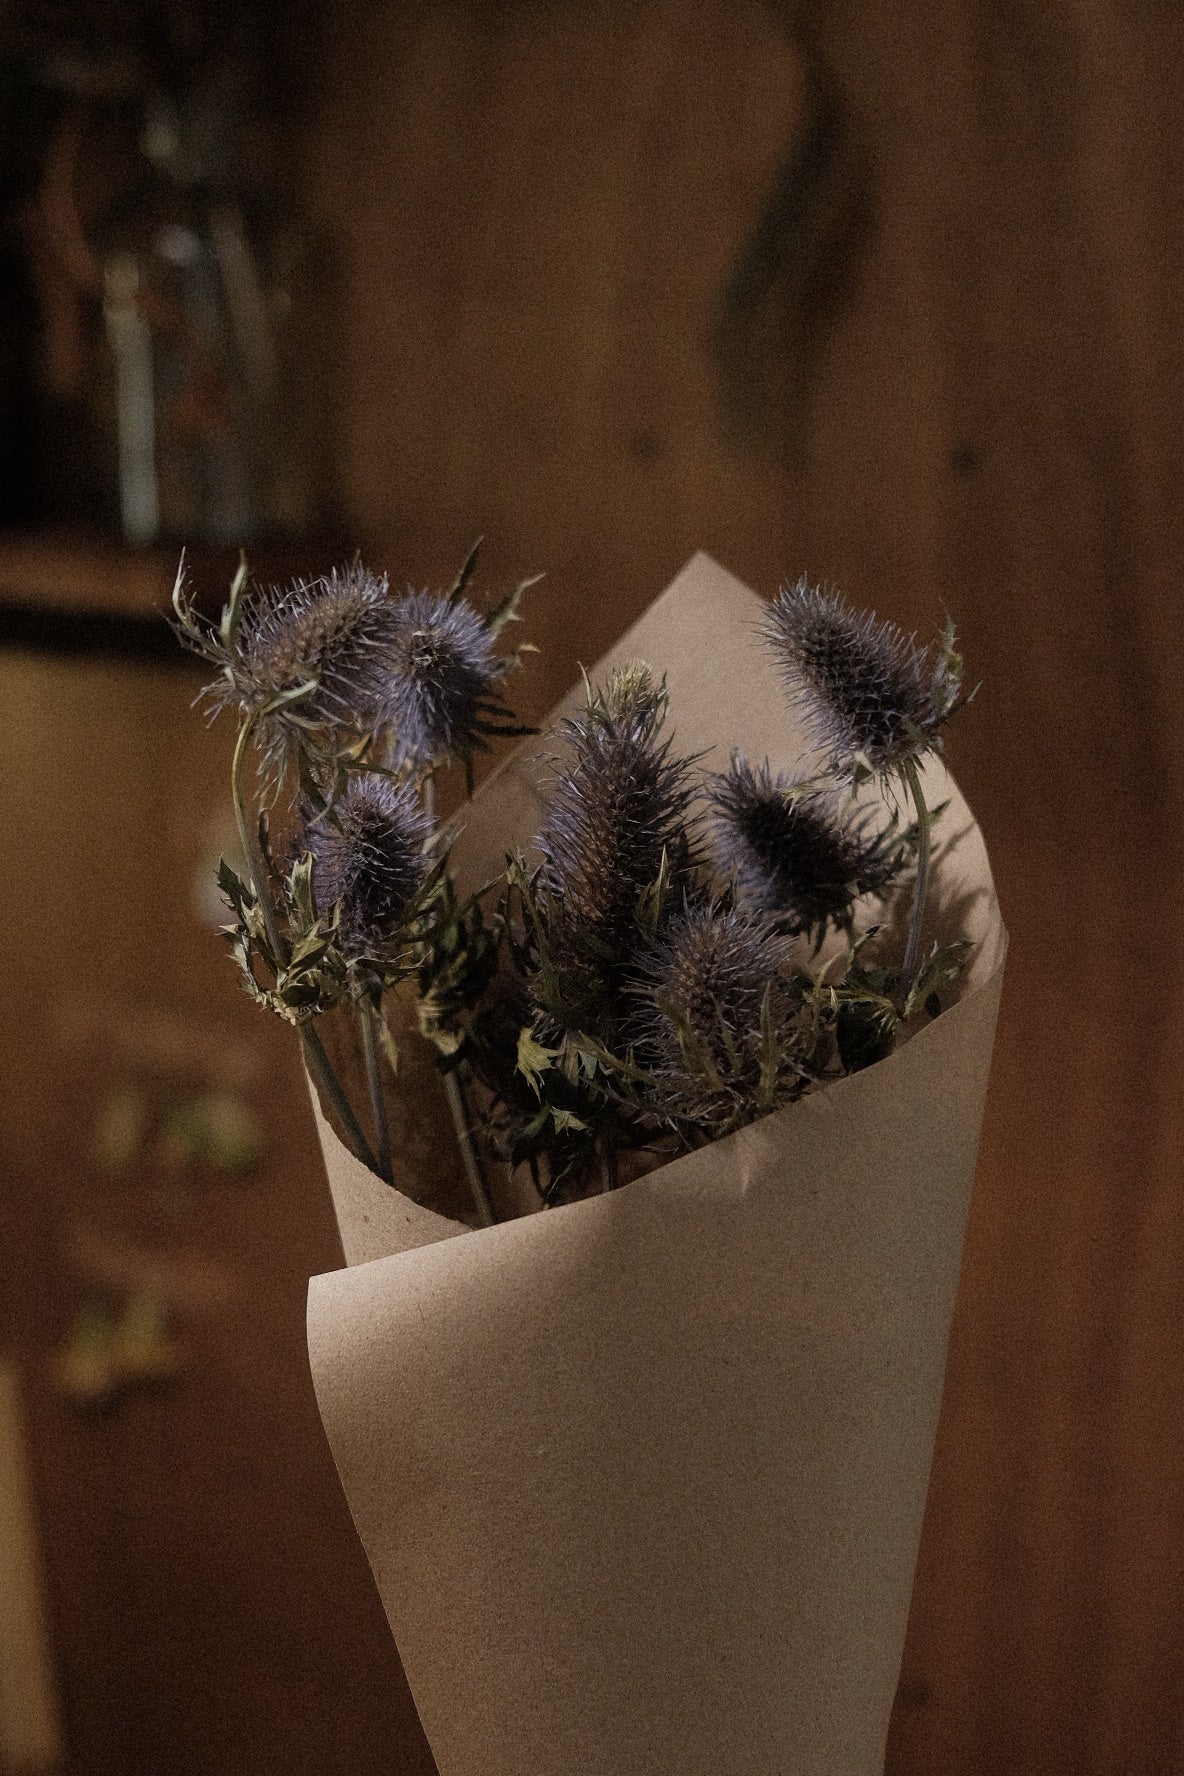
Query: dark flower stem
x,y
609,1175
367,1017
912,948
455,1096
314,1048
460,1122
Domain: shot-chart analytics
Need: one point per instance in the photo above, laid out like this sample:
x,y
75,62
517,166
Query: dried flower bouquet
x,y
641,1478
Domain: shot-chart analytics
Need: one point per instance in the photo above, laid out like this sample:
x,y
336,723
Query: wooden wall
x,y
890,296
886,295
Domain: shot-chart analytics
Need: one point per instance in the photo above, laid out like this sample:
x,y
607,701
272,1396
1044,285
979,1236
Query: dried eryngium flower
x,y
866,692
615,824
712,1019
790,851
332,635
371,856
441,698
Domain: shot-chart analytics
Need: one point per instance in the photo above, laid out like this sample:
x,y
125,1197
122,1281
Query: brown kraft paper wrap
x,y
641,1479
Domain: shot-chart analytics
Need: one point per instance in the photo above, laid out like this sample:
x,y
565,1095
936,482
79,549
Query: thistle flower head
x,y
370,854
864,689
712,1016
791,852
632,696
441,696
615,823
331,634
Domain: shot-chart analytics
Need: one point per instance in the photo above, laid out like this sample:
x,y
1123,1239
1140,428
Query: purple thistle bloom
x,y
792,854
440,697
862,686
332,633
617,810
712,987
370,853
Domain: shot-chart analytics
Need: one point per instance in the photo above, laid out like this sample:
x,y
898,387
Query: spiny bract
x,y
864,689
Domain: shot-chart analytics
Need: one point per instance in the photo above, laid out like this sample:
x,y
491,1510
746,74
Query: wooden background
x,y
890,296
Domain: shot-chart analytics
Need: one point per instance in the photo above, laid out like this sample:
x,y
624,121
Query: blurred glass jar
x,y
213,403
187,315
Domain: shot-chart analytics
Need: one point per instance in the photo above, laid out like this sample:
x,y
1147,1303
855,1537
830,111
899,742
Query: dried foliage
x,y
650,982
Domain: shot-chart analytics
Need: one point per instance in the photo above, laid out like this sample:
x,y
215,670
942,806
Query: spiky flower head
x,y
371,854
866,692
712,1017
616,823
441,698
331,635
790,850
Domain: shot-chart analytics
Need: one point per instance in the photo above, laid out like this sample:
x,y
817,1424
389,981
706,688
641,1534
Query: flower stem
x,y
912,948
468,1153
609,1176
330,1087
455,1094
314,1048
382,1135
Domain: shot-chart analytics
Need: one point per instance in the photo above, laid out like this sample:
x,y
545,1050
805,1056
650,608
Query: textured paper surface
x,y
641,1479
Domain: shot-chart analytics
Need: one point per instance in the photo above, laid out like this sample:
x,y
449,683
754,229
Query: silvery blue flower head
x,y
371,854
711,1018
441,698
790,851
616,818
866,692
331,634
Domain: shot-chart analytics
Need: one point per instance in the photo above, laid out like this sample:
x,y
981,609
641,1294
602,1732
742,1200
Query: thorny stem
x,y
912,948
382,1134
314,1048
455,1095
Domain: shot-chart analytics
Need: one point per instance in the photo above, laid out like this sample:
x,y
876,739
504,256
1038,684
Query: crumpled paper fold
x,y
641,1479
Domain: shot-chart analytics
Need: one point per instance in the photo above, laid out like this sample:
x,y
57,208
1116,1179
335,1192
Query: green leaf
x,y
942,967
534,1060
300,892
652,899
566,1121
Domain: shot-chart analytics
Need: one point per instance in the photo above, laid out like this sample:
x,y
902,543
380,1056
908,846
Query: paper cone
x,y
641,1479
